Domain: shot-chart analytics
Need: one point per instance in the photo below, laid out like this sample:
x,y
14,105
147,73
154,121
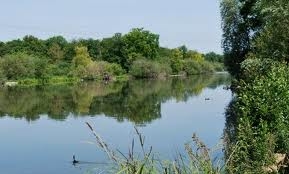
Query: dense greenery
x,y
137,52
256,52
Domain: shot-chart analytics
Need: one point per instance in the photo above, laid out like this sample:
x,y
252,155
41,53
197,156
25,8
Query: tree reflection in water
x,y
138,101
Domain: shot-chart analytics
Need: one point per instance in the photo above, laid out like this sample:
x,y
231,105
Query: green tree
x,y
176,60
55,52
40,69
12,47
93,47
34,46
241,22
272,42
140,43
111,50
82,57
214,57
17,66
184,50
2,48
56,48
194,55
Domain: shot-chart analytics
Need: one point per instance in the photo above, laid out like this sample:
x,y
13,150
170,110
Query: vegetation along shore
x,y
137,54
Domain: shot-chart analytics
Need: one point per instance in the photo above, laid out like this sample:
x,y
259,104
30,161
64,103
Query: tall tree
x,y
241,22
111,49
34,46
140,43
273,40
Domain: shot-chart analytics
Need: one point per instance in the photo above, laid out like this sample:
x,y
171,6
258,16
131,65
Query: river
x,y
41,128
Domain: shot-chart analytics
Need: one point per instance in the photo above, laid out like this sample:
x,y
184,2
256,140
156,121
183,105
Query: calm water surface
x,y
42,127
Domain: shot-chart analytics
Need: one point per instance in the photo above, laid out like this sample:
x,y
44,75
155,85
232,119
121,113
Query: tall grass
x,y
197,160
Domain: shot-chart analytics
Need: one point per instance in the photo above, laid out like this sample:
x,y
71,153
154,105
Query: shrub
x,y
177,65
17,66
206,67
114,69
149,69
60,69
262,113
191,67
219,67
97,69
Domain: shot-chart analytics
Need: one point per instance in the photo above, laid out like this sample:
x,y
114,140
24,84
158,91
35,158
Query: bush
x,y
262,113
17,66
149,69
114,69
218,67
206,67
252,68
60,69
97,69
177,65
192,67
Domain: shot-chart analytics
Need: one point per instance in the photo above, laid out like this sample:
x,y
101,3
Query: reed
x,y
197,160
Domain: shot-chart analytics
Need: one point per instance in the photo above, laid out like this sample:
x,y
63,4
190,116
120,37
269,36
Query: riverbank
x,y
60,80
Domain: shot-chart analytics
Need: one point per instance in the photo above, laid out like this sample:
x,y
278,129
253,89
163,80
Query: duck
x,y
207,99
74,161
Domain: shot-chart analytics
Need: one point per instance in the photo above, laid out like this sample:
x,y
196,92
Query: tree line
x,y
137,53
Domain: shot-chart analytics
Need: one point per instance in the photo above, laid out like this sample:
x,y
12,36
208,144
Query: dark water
x,y
42,127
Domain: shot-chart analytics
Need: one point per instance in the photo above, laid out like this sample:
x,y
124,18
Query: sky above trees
x,y
193,23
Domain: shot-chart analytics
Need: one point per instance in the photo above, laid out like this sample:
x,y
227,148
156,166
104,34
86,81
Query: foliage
x,y
55,52
93,47
213,57
218,67
17,66
111,50
142,42
191,67
149,69
97,70
261,112
241,22
61,68
194,55
256,51
176,61
114,56
272,42
82,57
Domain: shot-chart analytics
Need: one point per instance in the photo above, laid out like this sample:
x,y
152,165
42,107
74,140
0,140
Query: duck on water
x,y
74,161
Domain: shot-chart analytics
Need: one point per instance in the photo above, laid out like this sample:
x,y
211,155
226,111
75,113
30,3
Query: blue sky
x,y
194,23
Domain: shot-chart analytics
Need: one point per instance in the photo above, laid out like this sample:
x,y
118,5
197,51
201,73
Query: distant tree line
x,y
137,52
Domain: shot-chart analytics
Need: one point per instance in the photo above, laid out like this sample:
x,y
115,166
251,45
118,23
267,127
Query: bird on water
x,y
74,161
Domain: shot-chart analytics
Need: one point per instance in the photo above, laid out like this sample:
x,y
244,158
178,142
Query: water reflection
x,y
138,101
